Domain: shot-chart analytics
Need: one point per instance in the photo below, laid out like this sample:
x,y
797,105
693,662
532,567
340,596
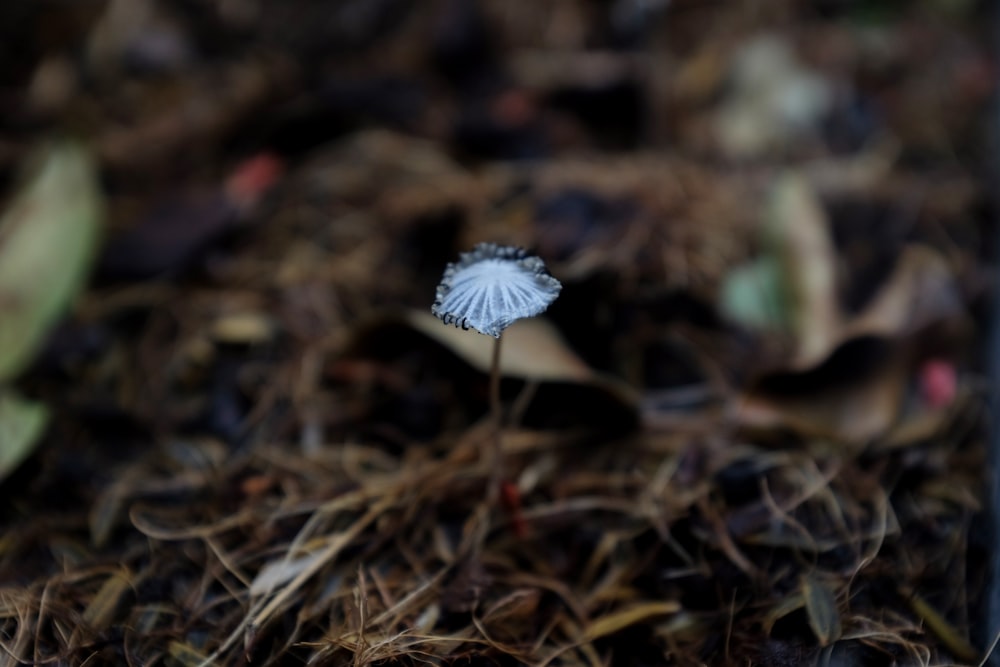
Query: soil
x,y
752,429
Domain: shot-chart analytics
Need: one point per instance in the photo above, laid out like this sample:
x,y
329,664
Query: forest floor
x,y
750,431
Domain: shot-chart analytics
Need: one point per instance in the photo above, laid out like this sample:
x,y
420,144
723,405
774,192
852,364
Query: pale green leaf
x,y
22,423
753,296
48,235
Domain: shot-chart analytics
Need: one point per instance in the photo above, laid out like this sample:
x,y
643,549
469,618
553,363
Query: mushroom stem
x,y
496,416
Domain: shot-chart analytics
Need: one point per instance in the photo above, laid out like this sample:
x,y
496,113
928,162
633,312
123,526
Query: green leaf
x,y
22,423
752,295
791,287
48,236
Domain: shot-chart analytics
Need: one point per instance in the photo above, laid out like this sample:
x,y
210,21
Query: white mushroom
x,y
493,286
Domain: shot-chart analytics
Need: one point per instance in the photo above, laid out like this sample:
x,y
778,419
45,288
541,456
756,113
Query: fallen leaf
x,y
791,289
821,607
619,620
853,412
22,423
103,608
796,229
532,349
47,240
920,291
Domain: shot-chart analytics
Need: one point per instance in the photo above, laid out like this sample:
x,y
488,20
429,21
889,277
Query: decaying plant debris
x,y
749,432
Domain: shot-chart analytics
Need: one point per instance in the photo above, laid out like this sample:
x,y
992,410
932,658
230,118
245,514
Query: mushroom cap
x,y
493,286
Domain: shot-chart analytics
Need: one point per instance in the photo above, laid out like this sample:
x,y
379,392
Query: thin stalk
x,y
496,417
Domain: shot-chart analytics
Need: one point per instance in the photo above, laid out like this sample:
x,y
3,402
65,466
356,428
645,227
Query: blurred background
x,y
223,224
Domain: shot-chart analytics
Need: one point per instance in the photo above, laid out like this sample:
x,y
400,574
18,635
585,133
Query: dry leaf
x,y
922,290
853,413
532,349
560,388
821,606
101,611
792,287
940,626
797,229
619,620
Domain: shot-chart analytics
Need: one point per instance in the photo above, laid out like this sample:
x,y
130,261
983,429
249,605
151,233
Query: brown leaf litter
x,y
265,450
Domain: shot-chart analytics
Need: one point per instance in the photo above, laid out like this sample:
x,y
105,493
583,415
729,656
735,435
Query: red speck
x,y
938,383
514,108
510,498
257,485
253,177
